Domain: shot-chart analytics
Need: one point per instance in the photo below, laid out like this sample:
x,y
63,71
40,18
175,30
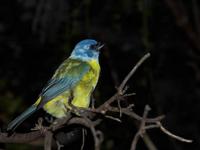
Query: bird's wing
x,y
65,78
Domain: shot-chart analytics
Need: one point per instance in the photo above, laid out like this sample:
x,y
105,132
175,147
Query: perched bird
x,y
74,81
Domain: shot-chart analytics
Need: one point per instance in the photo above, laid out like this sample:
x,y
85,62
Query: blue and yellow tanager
x,y
77,76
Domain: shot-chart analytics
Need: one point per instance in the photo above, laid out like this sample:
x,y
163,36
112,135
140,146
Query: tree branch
x,y
20,137
141,130
89,118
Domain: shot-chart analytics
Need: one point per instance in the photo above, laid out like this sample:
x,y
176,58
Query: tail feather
x,y
17,121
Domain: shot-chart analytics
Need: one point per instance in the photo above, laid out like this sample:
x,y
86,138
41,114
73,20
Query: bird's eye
x,y
93,46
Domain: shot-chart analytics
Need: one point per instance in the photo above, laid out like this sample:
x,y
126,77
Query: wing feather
x,y
65,78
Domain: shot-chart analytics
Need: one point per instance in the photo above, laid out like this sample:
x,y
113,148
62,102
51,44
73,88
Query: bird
x,y
73,81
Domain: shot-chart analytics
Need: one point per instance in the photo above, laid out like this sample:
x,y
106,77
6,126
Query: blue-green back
x,y
68,74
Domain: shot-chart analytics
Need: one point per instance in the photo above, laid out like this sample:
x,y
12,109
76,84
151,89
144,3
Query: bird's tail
x,y
17,121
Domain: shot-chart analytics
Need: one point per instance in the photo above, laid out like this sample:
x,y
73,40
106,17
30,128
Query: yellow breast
x,y
83,90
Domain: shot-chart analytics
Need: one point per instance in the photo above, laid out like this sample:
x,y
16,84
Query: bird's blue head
x,y
86,50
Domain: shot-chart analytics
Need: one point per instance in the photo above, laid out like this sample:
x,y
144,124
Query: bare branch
x,y
141,130
48,140
87,123
173,135
122,85
148,142
139,63
132,114
20,137
83,138
113,118
135,141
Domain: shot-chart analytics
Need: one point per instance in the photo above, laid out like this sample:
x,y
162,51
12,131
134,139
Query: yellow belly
x,y
58,107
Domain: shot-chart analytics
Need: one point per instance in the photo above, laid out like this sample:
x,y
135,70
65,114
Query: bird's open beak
x,y
100,46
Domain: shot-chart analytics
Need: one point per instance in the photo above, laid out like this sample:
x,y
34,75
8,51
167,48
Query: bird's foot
x,y
39,126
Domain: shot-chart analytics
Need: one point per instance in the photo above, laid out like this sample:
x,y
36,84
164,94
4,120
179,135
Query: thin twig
x,y
135,141
59,146
148,142
136,116
122,85
113,118
83,139
87,123
128,95
119,107
152,126
141,130
173,135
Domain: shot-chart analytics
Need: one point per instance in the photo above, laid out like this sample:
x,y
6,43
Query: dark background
x,y
37,35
